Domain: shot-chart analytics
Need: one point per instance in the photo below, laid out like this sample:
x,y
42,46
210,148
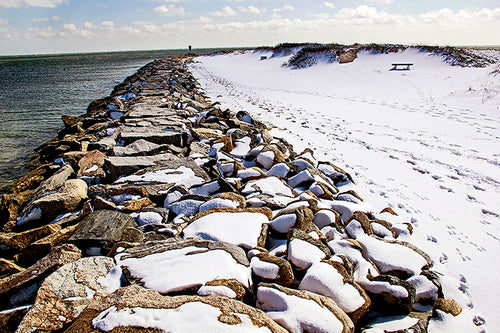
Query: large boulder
x,y
243,227
101,229
66,293
67,198
273,269
302,311
331,279
20,288
181,265
161,168
136,309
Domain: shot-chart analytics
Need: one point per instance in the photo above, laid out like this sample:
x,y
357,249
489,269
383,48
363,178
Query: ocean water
x,y
35,91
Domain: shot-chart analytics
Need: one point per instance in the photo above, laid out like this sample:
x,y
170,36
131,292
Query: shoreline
x,y
116,159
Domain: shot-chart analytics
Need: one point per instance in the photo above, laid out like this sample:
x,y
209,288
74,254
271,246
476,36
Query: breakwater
x,y
156,191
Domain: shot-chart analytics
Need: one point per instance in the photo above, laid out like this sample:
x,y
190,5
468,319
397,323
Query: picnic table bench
x,y
401,67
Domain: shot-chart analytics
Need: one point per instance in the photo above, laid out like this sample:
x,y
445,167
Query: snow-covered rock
x,y
171,266
331,279
246,228
301,311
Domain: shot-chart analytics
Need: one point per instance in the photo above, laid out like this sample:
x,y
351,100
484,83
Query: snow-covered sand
x,y
425,142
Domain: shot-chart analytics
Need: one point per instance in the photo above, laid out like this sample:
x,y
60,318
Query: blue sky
x,y
53,26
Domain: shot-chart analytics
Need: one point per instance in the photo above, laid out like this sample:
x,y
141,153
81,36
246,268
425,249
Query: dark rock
x,y
101,228
393,302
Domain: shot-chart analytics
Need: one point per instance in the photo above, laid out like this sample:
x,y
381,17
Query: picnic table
x,y
401,67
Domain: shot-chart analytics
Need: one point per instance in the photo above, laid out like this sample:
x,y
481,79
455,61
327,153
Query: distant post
x,y
189,47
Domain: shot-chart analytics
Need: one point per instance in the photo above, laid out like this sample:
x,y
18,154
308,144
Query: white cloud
x,y
362,24
329,4
88,25
170,10
107,25
382,2
31,3
252,9
47,19
226,11
285,7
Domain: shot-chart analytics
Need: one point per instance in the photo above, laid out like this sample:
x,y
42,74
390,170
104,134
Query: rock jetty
x,y
158,211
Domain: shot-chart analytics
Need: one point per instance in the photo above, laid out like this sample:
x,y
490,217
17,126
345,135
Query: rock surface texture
x,y
191,218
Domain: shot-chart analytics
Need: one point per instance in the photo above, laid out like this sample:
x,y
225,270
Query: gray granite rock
x,y
101,228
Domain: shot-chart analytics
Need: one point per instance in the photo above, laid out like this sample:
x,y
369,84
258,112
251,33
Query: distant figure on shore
x,y
189,48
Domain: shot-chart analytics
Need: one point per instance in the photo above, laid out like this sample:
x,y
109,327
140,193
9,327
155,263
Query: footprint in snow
x,y
489,212
443,258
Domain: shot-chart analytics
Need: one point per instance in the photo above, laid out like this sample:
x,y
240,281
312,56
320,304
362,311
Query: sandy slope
x,y
423,141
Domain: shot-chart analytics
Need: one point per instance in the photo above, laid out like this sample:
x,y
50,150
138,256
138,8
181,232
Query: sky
x,y
60,26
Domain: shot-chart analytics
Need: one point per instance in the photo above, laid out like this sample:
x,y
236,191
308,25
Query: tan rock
x,y
66,199
21,288
212,312
8,267
284,274
18,241
91,164
448,305
42,247
65,293
138,205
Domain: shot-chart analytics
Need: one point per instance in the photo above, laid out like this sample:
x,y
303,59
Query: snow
x,y
264,269
187,207
217,291
283,223
91,169
241,147
296,314
324,218
144,218
189,317
425,289
390,324
248,173
206,189
218,203
322,278
239,228
424,142
272,186
112,280
124,197
389,256
298,179
303,254
266,159
34,214
180,176
279,169
180,269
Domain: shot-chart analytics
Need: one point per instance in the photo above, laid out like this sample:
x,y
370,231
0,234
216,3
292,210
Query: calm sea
x,y
36,90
